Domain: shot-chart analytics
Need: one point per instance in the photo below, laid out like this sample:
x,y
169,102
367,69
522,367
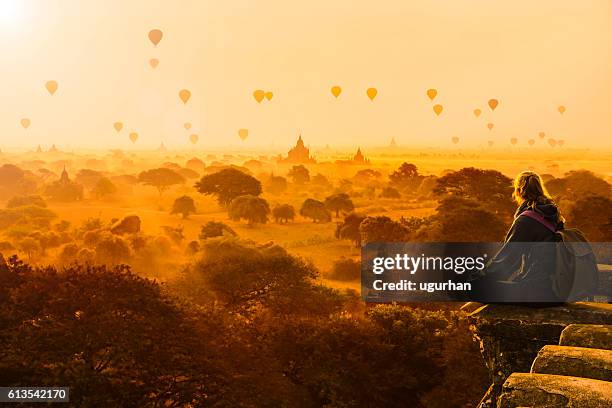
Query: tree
x,y
107,332
88,178
104,187
320,180
459,219
390,192
592,215
183,205
366,176
20,201
250,208
349,229
214,229
345,269
227,184
299,174
276,185
112,250
407,176
382,229
283,213
28,246
485,187
339,202
315,210
577,185
245,277
161,178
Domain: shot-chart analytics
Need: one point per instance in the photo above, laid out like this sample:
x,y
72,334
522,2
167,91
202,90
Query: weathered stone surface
x,y
510,335
575,362
587,335
130,224
554,391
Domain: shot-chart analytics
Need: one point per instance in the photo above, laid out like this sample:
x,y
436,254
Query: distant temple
x,y
162,147
358,158
300,154
392,144
65,189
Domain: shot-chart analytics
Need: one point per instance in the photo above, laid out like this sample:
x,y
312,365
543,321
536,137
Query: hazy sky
x,y
531,55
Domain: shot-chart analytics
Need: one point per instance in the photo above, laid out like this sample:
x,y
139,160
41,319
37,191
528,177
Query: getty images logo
x,y
412,264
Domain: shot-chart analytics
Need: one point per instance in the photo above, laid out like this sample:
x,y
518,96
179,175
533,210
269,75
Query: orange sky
x,y
531,55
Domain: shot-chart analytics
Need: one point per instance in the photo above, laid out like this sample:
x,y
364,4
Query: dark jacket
x,y
531,265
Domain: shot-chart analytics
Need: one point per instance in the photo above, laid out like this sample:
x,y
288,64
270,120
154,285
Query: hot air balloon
x,y
336,91
552,142
560,143
25,123
269,95
187,125
243,133
490,126
133,137
155,36
438,109
184,94
477,112
490,143
455,140
259,95
561,109
193,138
118,126
372,92
432,93
542,135
153,62
513,141
493,104
531,142
51,86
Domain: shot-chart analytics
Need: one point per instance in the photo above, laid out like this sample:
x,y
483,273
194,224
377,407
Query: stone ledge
x,y
587,335
574,361
511,336
554,391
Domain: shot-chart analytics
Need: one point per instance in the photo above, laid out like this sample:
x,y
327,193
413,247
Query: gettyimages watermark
x,y
538,272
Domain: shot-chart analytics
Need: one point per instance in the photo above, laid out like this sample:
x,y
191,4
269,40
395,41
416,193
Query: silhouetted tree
x,y
299,174
339,202
406,177
283,213
390,192
214,229
592,215
349,228
103,188
485,187
315,210
183,205
366,176
465,220
276,185
20,201
250,208
161,178
382,229
577,185
227,184
345,269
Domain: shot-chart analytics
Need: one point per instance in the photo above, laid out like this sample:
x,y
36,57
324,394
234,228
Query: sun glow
x,y
10,13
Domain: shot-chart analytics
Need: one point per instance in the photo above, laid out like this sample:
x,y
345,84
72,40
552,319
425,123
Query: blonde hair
x,y
528,187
